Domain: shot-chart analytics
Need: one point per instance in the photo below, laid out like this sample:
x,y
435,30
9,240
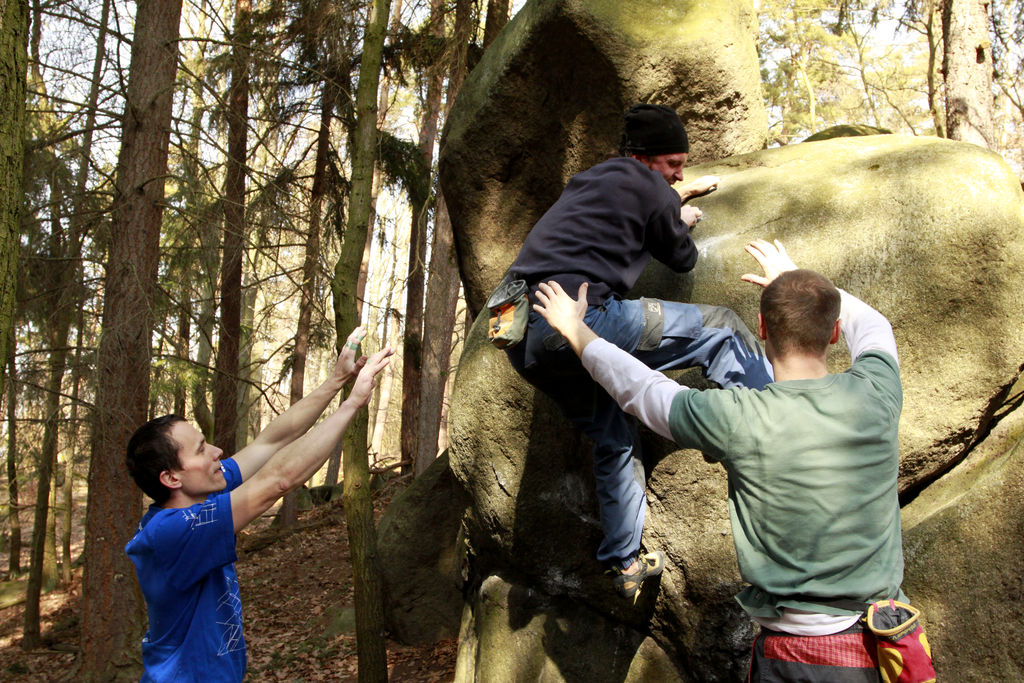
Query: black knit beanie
x,y
652,129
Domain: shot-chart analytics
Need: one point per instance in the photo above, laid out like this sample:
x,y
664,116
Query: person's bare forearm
x,y
298,461
285,469
286,427
294,422
290,467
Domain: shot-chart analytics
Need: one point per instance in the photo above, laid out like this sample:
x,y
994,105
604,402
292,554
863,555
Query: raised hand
x,y
350,361
702,185
367,378
772,258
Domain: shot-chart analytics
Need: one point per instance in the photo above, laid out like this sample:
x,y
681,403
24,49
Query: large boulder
x,y
547,98
514,633
930,232
423,558
964,547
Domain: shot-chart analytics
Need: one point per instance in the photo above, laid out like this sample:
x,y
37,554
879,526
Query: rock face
x,y
424,556
928,231
847,130
547,98
964,548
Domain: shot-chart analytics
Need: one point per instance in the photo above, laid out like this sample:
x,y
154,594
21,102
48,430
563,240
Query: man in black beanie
x,y
596,239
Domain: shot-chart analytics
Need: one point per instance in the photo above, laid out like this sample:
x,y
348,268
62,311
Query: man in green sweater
x,y
812,462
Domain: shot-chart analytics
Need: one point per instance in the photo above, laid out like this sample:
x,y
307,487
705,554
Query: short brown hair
x,y
800,308
151,450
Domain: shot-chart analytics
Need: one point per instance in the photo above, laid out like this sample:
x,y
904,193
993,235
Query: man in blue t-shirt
x,y
606,226
184,549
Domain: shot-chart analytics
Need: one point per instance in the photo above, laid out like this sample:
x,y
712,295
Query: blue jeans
x,y
710,337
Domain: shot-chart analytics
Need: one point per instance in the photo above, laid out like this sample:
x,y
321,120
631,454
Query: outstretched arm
x,y
691,215
294,422
296,462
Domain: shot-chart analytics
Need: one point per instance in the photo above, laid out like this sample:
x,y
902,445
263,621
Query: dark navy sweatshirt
x,y
605,227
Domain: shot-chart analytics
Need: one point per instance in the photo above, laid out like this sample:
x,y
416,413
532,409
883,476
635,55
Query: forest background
x,y
192,229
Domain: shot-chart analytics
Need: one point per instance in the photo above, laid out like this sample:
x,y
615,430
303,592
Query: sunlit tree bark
x,y
412,344
225,385
14,521
112,615
356,494
13,59
967,68
310,266
497,17
443,290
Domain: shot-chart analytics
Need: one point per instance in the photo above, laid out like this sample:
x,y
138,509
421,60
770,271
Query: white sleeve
x,y
639,390
865,328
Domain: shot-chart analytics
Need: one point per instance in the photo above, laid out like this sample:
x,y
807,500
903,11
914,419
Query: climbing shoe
x,y
628,585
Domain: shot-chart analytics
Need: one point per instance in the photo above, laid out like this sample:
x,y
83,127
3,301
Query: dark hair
x,y
151,450
651,130
800,308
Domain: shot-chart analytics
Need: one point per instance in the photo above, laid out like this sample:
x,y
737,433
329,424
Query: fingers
x,y
710,182
581,295
556,306
781,249
373,365
754,279
379,360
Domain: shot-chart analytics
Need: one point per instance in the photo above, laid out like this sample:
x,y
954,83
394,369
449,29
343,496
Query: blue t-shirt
x,y
184,559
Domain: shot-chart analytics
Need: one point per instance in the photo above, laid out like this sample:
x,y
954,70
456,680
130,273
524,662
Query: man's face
x,y
200,473
670,166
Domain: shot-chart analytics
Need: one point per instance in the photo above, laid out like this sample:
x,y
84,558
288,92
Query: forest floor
x,y
296,602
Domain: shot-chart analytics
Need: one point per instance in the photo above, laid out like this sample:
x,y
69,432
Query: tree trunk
x,y
60,303
412,345
497,17
444,281
79,227
42,575
181,348
437,352
207,242
369,607
14,560
225,384
934,37
13,62
288,514
50,549
247,409
967,67
112,614
68,492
